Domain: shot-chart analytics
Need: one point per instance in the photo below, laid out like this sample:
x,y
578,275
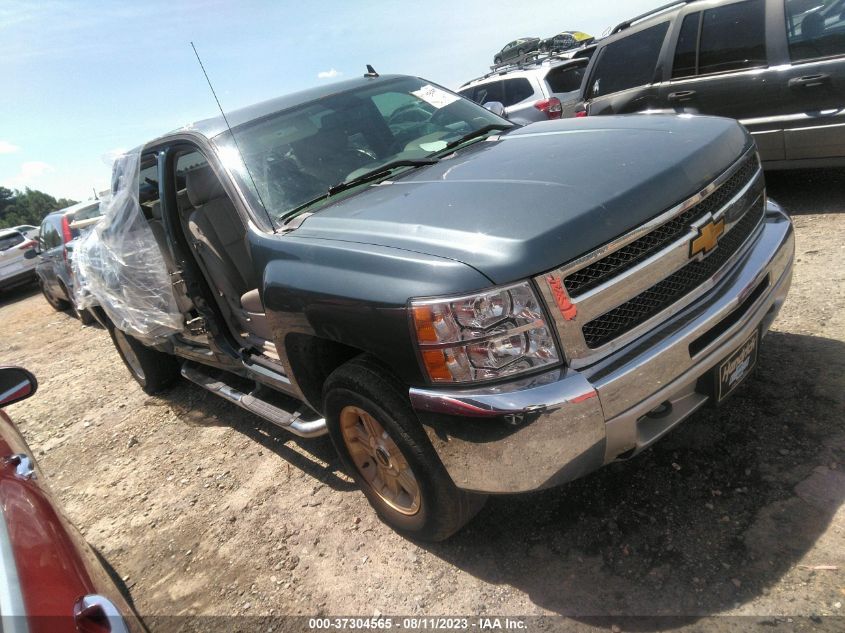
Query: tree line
x,y
28,206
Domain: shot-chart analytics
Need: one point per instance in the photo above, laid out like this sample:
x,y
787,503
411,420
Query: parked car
x,y
564,41
462,308
15,268
516,49
56,239
52,580
778,66
29,231
532,92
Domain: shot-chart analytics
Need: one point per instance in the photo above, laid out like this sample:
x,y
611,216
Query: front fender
x,y
355,294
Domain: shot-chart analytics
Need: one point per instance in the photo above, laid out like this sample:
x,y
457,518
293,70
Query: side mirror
x,y
31,253
16,384
496,107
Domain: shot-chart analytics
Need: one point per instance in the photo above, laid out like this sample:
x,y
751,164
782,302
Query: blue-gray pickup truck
x,y
468,307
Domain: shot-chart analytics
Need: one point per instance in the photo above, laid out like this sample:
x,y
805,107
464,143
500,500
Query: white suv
x,y
531,92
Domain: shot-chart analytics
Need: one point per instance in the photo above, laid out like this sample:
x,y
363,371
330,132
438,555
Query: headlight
x,y
483,336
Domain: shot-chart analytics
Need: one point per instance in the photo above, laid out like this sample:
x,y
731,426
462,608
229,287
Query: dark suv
x,y
778,66
55,243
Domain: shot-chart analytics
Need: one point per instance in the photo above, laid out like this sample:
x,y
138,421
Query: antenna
x,y
235,140
371,72
94,189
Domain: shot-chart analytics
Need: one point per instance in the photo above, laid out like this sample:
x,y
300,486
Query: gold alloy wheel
x,y
379,460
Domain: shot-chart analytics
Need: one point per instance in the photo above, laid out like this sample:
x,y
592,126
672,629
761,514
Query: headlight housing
x,y
483,336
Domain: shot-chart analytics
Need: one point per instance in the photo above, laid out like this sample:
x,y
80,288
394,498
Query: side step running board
x,y
270,412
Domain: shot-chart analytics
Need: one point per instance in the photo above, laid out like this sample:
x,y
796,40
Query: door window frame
x,y
659,70
773,45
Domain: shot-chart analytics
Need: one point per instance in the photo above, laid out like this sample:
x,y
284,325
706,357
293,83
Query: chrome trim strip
x,y
12,608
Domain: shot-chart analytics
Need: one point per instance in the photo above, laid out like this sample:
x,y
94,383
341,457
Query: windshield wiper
x,y
386,168
378,172
475,134
374,174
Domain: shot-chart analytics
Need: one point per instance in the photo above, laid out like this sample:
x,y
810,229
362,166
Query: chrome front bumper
x,y
554,427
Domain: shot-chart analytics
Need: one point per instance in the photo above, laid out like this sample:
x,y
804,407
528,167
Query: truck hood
x,y
530,200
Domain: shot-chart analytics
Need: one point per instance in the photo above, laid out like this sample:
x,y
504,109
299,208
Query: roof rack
x,y
628,23
532,59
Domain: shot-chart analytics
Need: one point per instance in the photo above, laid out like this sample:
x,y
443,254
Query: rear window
x,y
628,62
815,28
10,240
493,91
517,90
87,213
565,78
733,37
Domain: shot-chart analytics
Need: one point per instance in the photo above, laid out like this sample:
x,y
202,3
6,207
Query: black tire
x,y
443,508
85,317
56,303
497,60
153,370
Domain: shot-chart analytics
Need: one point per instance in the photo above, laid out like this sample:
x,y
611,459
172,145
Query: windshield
x,y
296,155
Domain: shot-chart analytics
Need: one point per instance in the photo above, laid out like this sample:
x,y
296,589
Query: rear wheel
x,y
383,446
153,370
55,302
85,317
497,60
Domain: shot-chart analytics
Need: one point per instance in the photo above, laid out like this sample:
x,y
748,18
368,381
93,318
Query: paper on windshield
x,y
435,96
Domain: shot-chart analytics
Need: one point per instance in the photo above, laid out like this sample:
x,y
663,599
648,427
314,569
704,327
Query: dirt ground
x,y
202,508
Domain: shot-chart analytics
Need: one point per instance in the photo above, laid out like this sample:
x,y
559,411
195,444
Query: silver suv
x,y
548,89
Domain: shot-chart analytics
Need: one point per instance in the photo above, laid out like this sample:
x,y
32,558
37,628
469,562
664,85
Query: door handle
x,y
809,81
24,468
681,95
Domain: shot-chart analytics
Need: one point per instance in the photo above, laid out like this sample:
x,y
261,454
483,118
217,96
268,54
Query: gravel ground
x,y
204,509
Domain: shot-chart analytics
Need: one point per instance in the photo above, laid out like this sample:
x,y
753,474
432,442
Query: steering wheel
x,y
443,116
411,113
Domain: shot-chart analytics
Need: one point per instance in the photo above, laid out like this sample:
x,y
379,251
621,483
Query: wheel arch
x,y
312,359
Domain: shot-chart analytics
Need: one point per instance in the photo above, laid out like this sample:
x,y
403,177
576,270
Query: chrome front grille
x,y
640,249
663,294
632,284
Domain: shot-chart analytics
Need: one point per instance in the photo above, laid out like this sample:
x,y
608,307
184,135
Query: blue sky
x,y
82,80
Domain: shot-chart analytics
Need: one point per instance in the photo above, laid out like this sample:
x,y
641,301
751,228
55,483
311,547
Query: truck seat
x,y
183,302
220,238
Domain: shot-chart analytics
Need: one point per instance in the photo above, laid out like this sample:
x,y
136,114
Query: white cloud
x,y
34,169
30,174
328,74
8,148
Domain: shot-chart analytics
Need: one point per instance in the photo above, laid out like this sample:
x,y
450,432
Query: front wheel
x,y
153,370
383,446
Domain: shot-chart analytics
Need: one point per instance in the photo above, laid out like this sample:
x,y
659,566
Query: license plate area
x,y
730,373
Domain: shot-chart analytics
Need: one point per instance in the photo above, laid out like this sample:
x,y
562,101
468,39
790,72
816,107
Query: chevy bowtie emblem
x,y
708,237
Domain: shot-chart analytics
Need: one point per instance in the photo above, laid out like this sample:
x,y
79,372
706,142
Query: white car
x,y
29,231
15,268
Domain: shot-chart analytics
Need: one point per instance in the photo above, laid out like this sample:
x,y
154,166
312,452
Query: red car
x,y
50,579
